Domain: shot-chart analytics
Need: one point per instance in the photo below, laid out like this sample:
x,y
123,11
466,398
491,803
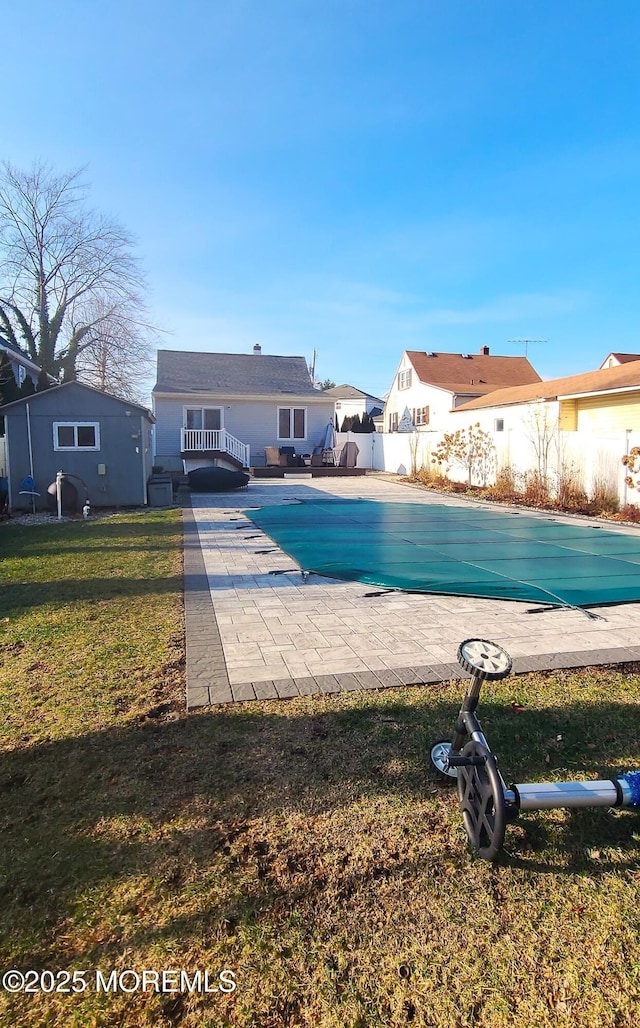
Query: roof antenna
x,y
526,342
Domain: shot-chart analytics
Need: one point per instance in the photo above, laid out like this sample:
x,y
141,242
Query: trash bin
x,y
160,490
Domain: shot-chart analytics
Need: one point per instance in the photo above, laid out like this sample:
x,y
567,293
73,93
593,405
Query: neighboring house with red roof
x,y
613,359
428,385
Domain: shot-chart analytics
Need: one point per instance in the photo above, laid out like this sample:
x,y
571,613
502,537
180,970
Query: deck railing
x,y
202,440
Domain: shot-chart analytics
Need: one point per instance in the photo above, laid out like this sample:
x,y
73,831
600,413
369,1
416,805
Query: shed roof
x,y
225,374
456,372
621,376
35,398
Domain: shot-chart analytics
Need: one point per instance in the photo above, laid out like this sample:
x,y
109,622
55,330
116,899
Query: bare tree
x,y
69,280
119,357
541,428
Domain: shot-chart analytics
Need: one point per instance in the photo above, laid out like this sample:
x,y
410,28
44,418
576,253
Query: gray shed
x,y
103,440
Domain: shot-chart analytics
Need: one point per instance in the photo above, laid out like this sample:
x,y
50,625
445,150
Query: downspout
x,y
8,460
142,460
28,412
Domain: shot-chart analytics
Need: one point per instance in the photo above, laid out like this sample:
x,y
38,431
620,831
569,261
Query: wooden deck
x,y
323,472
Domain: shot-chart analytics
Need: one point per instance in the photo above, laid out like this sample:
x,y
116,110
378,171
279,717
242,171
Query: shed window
x,y
76,435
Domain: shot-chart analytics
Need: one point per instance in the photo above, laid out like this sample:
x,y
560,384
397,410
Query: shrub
x,y
571,494
535,491
604,496
505,485
630,512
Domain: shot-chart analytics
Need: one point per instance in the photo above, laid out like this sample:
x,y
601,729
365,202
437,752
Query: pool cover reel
x,y
487,804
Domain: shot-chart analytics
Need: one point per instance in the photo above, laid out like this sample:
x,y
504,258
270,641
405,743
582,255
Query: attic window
x,y
404,379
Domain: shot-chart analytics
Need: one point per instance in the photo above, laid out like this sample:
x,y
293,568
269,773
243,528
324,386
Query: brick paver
x,y
257,630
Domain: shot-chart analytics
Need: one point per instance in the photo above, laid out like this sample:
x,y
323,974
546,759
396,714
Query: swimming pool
x,y
460,551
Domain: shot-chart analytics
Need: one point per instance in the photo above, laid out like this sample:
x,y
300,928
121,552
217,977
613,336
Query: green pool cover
x,y
457,551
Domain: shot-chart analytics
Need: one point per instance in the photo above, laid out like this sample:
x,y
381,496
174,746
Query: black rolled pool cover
x,y
216,480
459,551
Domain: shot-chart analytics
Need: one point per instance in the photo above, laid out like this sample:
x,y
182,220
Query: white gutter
x,y
599,392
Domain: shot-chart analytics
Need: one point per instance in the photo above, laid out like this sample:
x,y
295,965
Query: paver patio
x,y
257,630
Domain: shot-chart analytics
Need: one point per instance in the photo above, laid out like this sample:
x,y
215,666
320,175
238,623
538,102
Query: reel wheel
x,y
482,801
484,659
439,757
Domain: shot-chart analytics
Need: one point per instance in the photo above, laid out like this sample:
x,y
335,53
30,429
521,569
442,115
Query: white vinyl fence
x,y
593,461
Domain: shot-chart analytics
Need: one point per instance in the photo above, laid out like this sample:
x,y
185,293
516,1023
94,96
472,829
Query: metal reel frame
x,y
482,802
467,758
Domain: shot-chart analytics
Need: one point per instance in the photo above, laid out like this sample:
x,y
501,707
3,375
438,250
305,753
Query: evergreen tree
x,y
356,424
43,382
27,388
8,386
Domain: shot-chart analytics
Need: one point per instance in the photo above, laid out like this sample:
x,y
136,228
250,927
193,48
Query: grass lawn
x,y
303,845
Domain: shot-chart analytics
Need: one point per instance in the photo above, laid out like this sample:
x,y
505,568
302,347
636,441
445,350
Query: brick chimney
x,y
257,349
484,350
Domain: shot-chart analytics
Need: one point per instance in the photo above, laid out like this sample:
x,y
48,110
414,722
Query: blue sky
x,y
353,176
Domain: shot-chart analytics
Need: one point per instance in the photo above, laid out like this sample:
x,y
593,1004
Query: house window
x,y
203,418
393,422
404,379
22,374
421,416
292,422
76,435
498,425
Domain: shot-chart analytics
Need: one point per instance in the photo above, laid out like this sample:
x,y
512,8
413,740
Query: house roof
x,y
349,392
476,372
622,358
21,356
36,397
621,376
227,374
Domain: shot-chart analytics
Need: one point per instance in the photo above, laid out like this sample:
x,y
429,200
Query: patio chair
x,y
272,456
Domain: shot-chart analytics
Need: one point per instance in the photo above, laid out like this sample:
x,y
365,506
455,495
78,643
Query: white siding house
x,y
226,408
428,385
350,401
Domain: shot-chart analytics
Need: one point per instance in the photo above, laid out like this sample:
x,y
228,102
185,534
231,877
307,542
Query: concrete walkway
x,y
252,634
